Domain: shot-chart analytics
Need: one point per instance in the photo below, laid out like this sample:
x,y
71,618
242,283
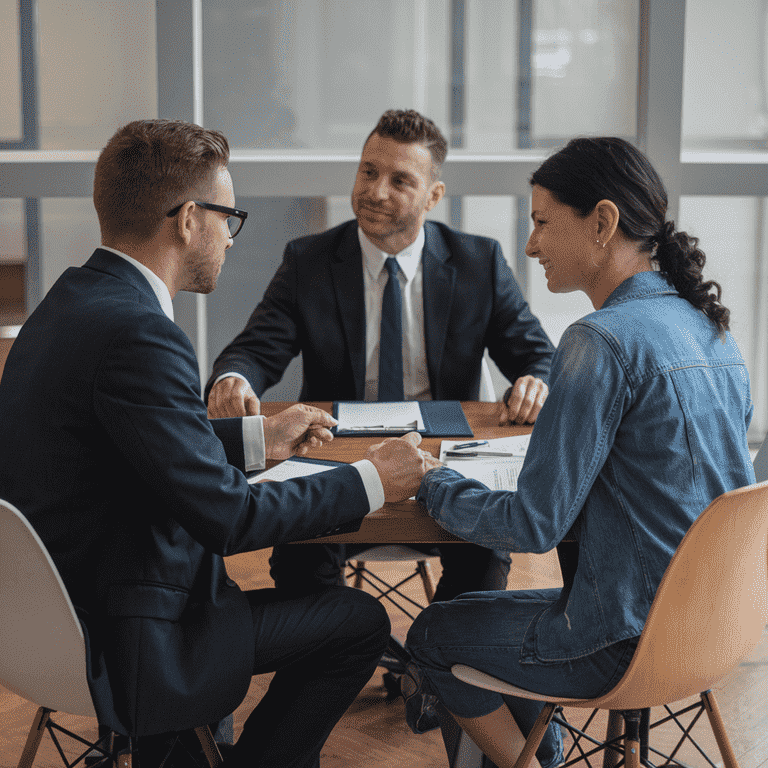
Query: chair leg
x,y
208,744
536,735
125,756
34,738
718,728
427,578
613,730
632,738
358,582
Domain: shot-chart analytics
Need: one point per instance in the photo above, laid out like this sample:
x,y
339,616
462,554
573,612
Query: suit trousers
x,y
323,648
466,567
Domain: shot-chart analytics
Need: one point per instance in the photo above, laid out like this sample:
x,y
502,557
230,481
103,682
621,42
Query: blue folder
x,y
442,418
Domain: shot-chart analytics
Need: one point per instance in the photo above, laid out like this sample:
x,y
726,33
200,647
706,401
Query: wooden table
x,y
405,521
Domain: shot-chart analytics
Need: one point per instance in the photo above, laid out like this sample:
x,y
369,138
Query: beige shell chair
x,y
709,613
42,648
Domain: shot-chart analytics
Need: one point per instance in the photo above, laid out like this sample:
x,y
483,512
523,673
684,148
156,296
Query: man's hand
x,y
295,430
401,465
232,396
523,401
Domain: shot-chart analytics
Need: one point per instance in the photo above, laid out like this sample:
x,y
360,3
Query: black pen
x,y
478,454
459,446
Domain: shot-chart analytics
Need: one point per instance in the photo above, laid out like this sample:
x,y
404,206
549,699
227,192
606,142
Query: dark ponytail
x,y
680,259
588,170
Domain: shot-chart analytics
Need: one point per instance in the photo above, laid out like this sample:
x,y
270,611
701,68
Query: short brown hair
x,y
147,168
409,127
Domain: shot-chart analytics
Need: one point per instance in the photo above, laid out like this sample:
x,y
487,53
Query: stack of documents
x,y
495,463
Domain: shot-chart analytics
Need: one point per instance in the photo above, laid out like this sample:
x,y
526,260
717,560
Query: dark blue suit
x,y
106,448
315,305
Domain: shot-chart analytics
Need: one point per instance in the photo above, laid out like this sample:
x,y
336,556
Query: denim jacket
x,y
645,424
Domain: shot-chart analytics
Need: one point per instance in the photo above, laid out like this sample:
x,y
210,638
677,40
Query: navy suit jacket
x,y
106,448
315,305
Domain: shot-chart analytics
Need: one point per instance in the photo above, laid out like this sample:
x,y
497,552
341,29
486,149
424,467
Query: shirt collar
x,y
155,283
408,259
640,286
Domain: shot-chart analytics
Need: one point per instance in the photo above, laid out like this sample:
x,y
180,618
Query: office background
x,y
296,85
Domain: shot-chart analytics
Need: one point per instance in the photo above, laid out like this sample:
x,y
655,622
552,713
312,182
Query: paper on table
x,y
379,417
286,470
499,473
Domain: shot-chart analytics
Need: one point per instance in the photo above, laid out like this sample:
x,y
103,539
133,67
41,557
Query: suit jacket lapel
x,y
438,286
347,272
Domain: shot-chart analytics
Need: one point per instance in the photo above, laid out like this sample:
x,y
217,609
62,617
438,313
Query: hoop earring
x,y
592,255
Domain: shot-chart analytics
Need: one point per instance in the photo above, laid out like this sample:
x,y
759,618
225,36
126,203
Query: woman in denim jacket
x,y
645,424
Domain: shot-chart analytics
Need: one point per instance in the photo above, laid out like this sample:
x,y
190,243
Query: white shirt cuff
x,y
372,482
227,375
253,442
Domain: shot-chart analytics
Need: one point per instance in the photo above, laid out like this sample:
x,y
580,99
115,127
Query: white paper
x,y
499,473
288,469
379,417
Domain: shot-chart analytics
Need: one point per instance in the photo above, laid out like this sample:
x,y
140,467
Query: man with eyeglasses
x,y
106,447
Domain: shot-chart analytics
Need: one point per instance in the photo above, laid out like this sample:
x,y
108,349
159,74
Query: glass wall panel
x,y
732,234
98,69
724,86
69,233
585,69
12,248
318,73
10,72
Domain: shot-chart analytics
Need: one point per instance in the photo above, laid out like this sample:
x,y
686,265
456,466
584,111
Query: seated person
x,y
458,297
645,424
106,448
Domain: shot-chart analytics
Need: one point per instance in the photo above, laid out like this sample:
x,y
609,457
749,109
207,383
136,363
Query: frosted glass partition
x,y
12,249
97,69
10,72
585,69
318,74
725,90
732,233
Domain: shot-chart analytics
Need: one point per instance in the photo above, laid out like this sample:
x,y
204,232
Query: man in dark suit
x,y
458,296
106,447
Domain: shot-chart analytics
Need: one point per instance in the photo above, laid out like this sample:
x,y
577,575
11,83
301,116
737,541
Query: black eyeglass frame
x,y
242,215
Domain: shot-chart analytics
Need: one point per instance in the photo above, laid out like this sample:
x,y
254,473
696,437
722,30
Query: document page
x,y
379,417
289,469
495,463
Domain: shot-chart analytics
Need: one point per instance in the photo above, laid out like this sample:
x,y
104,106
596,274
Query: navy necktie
x,y
391,338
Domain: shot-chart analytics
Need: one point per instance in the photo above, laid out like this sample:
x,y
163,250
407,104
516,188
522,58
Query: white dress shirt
x,y
254,446
411,276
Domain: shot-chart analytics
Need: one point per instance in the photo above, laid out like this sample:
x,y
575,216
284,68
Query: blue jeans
x,y
486,630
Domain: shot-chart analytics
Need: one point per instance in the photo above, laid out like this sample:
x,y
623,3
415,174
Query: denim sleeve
x,y
572,437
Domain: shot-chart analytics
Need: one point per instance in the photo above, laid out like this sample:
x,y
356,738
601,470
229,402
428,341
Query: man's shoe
x,y
420,712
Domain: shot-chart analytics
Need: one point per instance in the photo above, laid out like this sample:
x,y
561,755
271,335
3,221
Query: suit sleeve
x,y
516,341
147,399
270,340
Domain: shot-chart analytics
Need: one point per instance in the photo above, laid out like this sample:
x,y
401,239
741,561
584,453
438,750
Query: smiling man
x,y
419,335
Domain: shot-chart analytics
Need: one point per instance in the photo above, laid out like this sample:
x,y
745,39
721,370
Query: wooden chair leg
x,y
208,744
427,578
632,738
613,730
536,735
36,733
125,757
718,728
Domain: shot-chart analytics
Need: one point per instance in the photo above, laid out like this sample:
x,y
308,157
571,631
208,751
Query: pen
x,y
461,446
478,454
385,427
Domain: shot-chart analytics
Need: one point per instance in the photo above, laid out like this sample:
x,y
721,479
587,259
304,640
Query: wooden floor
x,y
373,733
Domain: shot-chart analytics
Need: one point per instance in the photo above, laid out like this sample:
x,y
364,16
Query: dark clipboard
x,y
442,418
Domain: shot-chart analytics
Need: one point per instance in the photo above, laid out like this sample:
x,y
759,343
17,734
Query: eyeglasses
x,y
235,217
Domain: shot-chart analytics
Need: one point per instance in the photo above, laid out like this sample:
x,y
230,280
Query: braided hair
x,y
588,170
